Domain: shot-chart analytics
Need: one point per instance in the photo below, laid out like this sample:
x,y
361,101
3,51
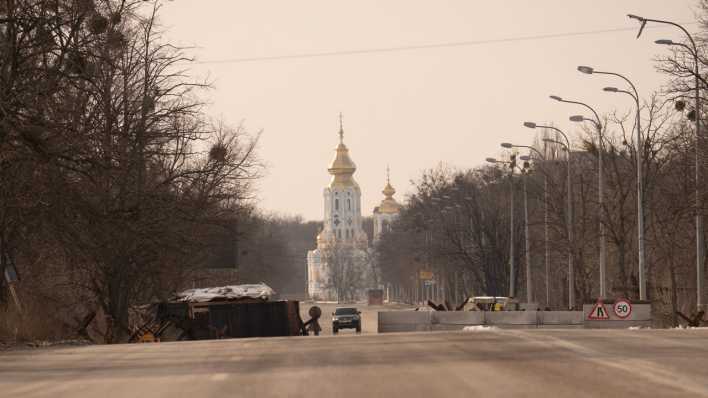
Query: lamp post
x,y
529,283
529,287
512,268
600,186
700,239
569,212
640,178
527,240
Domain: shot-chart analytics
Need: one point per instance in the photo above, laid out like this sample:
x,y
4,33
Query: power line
x,y
422,46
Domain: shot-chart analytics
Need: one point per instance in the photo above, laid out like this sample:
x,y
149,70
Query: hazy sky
x,y
410,109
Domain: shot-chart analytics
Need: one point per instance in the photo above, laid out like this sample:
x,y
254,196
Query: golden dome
x,y
342,167
388,190
389,204
342,163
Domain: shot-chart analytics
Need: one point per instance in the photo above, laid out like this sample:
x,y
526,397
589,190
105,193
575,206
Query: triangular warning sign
x,y
599,312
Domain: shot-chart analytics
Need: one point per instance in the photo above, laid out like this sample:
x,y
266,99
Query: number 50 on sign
x,y
622,308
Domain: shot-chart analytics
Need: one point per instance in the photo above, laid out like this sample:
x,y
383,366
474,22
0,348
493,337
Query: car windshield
x,y
345,311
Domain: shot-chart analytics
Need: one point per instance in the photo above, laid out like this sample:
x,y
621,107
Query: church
x,y
341,266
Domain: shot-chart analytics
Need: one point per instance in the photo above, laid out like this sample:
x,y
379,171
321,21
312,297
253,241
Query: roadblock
x,y
455,320
404,321
409,321
617,314
561,318
637,315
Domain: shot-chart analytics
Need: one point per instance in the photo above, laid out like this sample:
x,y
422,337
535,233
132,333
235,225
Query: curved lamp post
x,y
700,239
547,256
527,239
569,212
600,185
512,266
640,179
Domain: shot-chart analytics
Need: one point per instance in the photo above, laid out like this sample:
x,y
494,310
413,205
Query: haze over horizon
x,y
290,68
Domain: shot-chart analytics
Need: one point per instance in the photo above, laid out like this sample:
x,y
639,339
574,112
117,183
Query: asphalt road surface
x,y
496,363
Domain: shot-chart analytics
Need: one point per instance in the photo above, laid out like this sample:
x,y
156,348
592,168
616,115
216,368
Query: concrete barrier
x,y
455,320
549,318
501,318
410,321
639,317
404,321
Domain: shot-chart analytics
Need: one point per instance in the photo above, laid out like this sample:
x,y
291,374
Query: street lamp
x,y
700,240
512,267
552,141
547,256
600,184
569,212
640,179
668,42
529,283
601,200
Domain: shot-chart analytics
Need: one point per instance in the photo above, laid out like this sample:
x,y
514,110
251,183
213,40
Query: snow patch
x,y
256,291
479,328
682,327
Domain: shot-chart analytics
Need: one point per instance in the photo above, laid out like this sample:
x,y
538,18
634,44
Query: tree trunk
x,y
674,299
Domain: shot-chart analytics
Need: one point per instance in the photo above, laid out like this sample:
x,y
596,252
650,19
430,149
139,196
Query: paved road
x,y
497,363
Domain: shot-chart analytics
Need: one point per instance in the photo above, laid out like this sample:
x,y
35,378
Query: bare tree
x,y
346,270
134,180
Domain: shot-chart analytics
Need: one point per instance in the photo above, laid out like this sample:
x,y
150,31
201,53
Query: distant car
x,y
346,318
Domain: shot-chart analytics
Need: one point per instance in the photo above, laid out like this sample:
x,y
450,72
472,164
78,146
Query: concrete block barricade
x,y
564,318
640,316
464,318
512,318
411,321
455,320
404,321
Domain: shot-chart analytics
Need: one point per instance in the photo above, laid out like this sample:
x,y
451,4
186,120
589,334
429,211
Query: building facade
x,y
342,234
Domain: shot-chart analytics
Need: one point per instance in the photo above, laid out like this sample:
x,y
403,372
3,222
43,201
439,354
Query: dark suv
x,y
346,318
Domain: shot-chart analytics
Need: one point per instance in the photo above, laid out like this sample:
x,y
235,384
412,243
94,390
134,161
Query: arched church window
x,y
336,204
349,204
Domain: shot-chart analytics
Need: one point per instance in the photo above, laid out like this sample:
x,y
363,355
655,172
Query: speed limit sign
x,y
622,308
